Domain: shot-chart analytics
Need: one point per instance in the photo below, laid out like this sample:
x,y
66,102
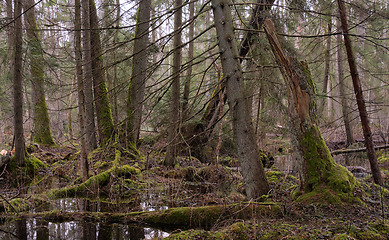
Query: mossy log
x,y
93,183
318,171
185,217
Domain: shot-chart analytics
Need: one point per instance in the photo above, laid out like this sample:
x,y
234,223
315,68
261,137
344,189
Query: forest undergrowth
x,y
191,201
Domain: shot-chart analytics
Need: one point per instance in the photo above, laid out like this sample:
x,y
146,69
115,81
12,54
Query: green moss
x,y
208,215
318,158
383,158
190,234
18,205
97,181
326,179
343,236
101,165
381,227
274,176
368,234
33,164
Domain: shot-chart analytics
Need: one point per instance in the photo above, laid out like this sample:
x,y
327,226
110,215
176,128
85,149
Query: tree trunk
x,y
115,68
20,151
359,96
327,57
103,108
139,71
212,111
317,167
171,151
346,113
90,127
42,133
248,152
261,10
80,89
185,98
10,32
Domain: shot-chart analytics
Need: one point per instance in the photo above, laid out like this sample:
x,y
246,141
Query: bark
x,y
261,10
20,151
248,152
359,97
80,90
10,31
115,68
103,108
346,111
317,167
185,100
212,112
327,57
139,71
90,128
171,151
42,133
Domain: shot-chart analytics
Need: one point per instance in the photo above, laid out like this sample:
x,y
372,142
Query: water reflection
x,y
31,229
37,228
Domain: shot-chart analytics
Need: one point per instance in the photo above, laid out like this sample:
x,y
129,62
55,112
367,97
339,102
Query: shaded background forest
x,y
310,31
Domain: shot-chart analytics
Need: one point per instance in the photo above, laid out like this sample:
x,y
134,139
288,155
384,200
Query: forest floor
x,y
191,201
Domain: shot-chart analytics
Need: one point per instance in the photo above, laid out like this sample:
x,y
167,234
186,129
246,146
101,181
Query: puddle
x,y
174,195
36,229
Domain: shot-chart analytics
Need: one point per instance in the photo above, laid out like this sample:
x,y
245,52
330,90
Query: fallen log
x,y
345,151
205,216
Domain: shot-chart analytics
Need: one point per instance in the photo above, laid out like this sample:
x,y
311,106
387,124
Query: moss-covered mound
x,y
97,183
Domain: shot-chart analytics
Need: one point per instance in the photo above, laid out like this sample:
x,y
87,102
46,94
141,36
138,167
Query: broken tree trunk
x,y
375,169
318,170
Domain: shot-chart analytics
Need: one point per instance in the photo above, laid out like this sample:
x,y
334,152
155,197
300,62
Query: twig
x,y
10,233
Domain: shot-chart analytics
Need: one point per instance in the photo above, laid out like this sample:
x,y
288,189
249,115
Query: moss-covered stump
x,y
24,175
323,180
96,182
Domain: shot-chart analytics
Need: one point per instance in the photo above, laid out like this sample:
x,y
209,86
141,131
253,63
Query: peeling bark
x,y
317,167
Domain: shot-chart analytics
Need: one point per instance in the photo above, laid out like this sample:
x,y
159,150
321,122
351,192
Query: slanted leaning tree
x,y
42,133
318,170
248,152
375,169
